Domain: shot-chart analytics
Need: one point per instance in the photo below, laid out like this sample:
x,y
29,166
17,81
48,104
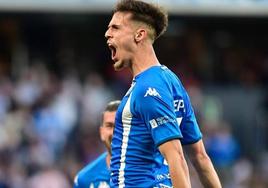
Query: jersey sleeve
x,y
189,126
155,106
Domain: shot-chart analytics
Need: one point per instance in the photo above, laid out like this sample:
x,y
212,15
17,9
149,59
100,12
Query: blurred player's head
x,y
107,125
134,24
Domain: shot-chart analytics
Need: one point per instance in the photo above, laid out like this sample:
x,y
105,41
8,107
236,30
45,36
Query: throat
x,y
108,160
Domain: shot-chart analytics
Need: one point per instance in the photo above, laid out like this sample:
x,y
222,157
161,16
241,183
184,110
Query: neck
x,y
108,159
144,58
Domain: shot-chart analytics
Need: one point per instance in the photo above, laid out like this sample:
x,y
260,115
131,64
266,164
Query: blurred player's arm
x,y
178,169
203,165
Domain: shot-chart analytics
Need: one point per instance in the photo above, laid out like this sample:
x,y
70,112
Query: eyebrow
x,y
108,124
113,26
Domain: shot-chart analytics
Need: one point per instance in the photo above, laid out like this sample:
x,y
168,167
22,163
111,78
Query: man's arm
x,y
178,169
203,165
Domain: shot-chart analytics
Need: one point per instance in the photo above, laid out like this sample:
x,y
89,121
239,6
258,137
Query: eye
x,y
115,27
109,125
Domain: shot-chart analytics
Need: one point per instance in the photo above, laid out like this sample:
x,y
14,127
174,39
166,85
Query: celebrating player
x,y
156,104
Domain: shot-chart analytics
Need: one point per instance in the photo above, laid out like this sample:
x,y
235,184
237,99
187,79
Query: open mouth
x,y
113,51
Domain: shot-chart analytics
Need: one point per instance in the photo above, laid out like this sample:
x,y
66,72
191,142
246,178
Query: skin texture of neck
x,y
143,58
108,160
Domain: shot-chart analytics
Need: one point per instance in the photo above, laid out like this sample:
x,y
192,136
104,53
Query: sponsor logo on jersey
x,y
152,92
160,121
164,186
178,105
161,177
153,123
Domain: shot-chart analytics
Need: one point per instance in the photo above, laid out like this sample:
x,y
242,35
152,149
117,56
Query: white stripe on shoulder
x,y
126,120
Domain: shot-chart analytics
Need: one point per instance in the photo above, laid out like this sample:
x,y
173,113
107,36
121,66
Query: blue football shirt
x,y
94,175
150,114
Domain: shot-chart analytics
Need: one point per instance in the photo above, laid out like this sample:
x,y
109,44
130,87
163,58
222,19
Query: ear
x,y
140,35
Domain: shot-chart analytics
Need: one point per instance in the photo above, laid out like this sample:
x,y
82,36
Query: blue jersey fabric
x,y
150,114
94,175
161,172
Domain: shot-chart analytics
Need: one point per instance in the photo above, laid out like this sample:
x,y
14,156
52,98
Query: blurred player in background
x,y
150,113
97,173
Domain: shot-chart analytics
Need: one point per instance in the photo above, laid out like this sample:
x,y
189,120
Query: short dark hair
x,y
112,106
150,14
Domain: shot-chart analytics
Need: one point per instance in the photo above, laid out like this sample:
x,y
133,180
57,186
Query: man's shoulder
x,y
152,78
159,75
153,74
95,170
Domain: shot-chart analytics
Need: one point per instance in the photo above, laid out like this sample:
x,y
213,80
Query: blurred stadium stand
x,y
183,7
56,76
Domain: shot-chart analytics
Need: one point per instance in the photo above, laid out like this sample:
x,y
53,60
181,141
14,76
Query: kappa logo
x,y
152,92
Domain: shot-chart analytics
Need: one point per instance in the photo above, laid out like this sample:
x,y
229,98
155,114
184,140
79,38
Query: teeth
x,y
112,48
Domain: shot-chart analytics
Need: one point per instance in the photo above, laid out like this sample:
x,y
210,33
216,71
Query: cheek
x,y
110,133
128,44
107,134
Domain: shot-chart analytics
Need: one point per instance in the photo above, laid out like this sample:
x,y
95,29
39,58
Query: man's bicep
x,y
170,148
195,149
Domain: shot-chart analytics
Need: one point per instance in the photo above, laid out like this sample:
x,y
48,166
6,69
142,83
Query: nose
x,y
107,34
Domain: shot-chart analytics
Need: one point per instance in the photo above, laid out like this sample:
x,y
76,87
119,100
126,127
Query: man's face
x,y
120,39
106,130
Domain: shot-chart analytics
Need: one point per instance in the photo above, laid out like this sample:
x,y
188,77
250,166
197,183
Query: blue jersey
x,y
161,172
94,175
149,114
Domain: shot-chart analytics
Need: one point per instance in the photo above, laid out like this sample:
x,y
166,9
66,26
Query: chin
x,y
108,146
121,64
118,65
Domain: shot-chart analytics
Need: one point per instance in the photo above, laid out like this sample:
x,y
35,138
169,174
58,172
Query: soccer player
x,y
97,173
148,118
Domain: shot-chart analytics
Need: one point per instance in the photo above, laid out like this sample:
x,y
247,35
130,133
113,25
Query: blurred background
x,y
56,77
